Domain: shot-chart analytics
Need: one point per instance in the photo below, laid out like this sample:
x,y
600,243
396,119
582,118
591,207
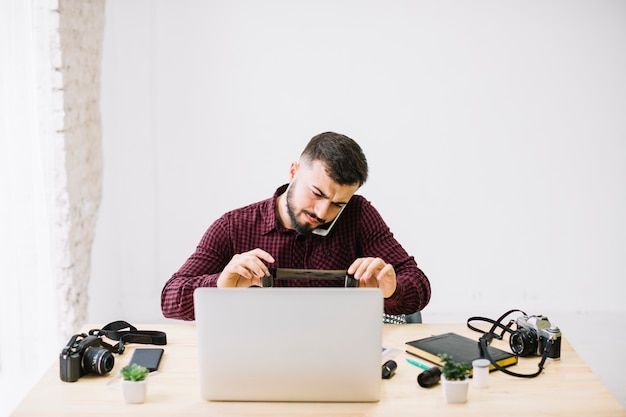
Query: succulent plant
x,y
453,370
134,372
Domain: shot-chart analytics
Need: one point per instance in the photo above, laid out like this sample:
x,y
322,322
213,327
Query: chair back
x,y
403,318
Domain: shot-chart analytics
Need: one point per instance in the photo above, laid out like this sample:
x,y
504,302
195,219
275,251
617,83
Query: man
x,y
280,232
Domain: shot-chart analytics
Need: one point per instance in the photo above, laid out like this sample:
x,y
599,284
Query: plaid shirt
x,y
360,232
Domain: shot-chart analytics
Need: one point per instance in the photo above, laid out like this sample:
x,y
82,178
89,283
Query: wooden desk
x,y
567,388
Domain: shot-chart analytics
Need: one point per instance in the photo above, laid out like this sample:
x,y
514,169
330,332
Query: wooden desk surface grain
x,y
566,388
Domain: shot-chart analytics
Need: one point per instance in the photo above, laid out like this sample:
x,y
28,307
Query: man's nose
x,y
322,209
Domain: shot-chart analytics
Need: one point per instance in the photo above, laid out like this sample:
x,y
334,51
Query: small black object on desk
x,y
430,377
389,368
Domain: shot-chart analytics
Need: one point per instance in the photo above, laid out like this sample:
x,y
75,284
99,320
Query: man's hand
x,y
374,272
245,269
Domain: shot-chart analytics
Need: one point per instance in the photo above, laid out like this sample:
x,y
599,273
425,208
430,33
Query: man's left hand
x,y
376,273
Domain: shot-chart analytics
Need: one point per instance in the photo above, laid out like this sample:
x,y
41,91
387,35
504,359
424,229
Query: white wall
x,y
495,131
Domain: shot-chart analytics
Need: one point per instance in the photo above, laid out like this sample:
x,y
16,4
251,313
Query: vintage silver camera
x,y
534,335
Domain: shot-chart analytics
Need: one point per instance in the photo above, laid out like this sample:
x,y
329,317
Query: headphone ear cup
x,y
523,342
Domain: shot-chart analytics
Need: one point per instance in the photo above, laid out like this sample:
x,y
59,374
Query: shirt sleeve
x,y
202,269
412,286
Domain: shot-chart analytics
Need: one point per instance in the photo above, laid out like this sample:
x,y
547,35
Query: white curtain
x,y
28,156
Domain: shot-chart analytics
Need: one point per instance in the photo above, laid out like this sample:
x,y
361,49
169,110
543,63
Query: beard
x,y
302,228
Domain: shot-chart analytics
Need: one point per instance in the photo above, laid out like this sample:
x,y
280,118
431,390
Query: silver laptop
x,y
289,344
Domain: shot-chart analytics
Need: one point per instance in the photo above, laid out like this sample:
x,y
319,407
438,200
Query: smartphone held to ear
x,y
149,358
324,229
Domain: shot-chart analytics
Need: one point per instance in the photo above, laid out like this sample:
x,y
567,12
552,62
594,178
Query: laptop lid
x,y
289,344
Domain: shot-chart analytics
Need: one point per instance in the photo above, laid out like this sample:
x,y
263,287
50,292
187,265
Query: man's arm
x,y
412,290
177,295
202,269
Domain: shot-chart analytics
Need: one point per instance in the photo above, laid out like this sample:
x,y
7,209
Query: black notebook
x,y
461,348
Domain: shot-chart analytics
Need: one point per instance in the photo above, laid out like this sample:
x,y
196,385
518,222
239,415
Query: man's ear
x,y
293,170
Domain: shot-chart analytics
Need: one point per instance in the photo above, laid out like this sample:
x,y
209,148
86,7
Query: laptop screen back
x,y
289,344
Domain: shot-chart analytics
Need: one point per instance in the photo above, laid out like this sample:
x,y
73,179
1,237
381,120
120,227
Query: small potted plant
x,y
455,379
134,383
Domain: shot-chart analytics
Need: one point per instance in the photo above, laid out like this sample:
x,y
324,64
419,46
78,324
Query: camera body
x,y
85,355
535,334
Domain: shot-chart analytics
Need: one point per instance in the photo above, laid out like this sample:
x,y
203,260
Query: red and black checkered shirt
x,y
360,232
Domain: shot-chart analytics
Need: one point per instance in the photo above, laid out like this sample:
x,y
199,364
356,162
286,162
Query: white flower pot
x,y
455,391
134,391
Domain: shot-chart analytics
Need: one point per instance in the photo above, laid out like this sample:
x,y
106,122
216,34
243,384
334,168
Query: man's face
x,y
313,198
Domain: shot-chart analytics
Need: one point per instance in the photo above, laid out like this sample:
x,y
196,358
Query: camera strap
x,y
488,336
124,332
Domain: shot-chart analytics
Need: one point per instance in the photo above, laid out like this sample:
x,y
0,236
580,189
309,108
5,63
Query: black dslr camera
x,y
534,335
85,355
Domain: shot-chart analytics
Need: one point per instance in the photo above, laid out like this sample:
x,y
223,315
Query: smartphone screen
x,y
149,358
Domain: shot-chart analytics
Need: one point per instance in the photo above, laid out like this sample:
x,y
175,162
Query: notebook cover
x,y
461,348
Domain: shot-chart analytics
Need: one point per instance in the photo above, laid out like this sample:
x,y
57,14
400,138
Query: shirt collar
x,y
271,219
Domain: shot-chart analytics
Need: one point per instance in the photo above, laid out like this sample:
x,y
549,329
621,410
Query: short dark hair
x,y
344,159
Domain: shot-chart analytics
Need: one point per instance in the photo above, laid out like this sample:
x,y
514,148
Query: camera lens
x,y
97,361
429,378
523,342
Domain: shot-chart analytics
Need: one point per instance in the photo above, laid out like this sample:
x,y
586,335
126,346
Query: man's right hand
x,y
245,269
